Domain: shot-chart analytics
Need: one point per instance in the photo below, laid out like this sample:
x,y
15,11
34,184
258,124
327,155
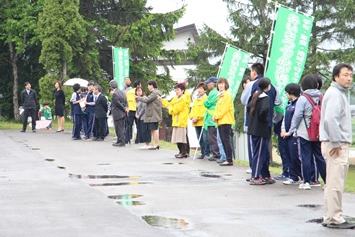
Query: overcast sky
x,y
213,13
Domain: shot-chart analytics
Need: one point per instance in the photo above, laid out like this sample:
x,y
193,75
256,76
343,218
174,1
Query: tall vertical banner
x,y
233,67
120,65
289,51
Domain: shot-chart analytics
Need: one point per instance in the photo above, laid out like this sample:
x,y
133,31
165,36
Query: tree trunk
x,y
64,70
13,61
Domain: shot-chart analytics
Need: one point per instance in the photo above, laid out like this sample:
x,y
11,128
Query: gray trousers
x,y
119,129
212,140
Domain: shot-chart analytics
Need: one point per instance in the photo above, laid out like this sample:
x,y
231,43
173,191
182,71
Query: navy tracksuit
x,y
76,112
292,145
90,112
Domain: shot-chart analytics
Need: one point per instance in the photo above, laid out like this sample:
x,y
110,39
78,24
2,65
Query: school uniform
x,y
259,134
292,156
76,113
90,112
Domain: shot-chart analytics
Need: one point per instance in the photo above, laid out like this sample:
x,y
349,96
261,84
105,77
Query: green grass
x,y
275,168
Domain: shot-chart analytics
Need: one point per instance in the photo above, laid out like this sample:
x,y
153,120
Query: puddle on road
x,y
171,163
312,206
119,184
209,175
165,222
50,160
125,196
61,167
130,203
79,176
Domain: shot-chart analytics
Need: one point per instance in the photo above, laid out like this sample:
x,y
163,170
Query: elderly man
x,y
336,136
118,109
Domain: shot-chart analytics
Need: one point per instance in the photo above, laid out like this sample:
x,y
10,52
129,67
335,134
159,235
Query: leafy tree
x,y
17,27
129,24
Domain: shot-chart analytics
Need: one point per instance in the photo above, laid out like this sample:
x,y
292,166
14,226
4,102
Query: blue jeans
x,y
220,146
204,145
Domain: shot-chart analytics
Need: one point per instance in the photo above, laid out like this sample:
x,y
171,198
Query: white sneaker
x,y
305,186
248,171
145,147
289,181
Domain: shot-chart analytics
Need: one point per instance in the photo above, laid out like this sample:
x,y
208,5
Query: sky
x,y
213,13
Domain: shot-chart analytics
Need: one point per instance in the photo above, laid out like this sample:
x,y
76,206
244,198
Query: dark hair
x,y
26,83
245,79
98,87
338,67
180,86
139,88
263,83
258,67
225,81
293,89
76,87
309,82
319,81
153,83
59,84
136,83
45,103
202,85
91,83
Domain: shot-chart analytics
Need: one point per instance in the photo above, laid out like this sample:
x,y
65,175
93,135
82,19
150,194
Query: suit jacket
x,y
118,104
29,100
101,107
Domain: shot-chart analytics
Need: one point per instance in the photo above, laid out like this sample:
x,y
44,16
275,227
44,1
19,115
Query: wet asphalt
x,y
53,186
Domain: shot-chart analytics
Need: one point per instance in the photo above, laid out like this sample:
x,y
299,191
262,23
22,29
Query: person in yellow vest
x,y
179,112
131,113
166,104
197,115
224,117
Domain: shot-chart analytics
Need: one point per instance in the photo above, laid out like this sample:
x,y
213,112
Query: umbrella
x,y
81,82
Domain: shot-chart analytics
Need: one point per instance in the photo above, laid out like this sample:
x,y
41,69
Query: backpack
x,y
313,128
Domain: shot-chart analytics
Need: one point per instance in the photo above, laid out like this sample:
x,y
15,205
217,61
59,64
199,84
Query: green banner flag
x,y
289,51
233,67
120,65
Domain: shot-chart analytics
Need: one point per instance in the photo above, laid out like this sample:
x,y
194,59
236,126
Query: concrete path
x,y
53,186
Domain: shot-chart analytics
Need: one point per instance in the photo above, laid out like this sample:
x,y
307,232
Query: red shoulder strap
x,y
310,99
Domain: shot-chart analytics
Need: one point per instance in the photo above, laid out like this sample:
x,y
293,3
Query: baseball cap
x,y
211,79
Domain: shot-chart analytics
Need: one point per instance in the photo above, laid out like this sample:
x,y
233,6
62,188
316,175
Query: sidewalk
x,y
53,186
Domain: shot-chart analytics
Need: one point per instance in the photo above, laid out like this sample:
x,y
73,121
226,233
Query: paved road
x,y
53,186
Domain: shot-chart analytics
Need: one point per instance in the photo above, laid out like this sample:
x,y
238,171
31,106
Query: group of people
x,y
304,157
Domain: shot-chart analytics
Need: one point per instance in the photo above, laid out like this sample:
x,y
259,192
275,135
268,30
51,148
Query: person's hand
x,y
159,98
214,120
137,116
284,134
335,152
194,120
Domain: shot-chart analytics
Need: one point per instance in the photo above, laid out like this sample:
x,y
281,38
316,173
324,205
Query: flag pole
x,y
224,53
271,37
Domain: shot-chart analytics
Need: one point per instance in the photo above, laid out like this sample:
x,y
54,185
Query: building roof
x,y
191,28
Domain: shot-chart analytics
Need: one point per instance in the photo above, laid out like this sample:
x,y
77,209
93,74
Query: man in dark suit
x,y
118,109
29,100
100,114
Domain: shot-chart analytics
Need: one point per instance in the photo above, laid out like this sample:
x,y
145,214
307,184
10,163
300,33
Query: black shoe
x,y
23,131
213,159
99,139
344,225
220,161
154,148
181,156
248,179
34,130
119,144
324,224
76,138
94,138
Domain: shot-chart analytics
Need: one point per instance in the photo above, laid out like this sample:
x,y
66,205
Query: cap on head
x,y
113,84
211,79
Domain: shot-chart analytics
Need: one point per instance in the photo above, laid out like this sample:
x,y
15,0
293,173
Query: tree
x,y
17,28
130,24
